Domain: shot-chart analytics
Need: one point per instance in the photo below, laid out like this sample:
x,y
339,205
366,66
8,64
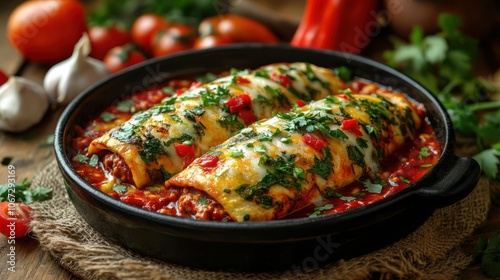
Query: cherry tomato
x,y
208,26
103,39
46,31
211,41
145,27
121,57
173,39
3,78
238,29
14,219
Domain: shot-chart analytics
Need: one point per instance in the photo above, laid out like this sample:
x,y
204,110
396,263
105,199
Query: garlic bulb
x,y
65,80
22,104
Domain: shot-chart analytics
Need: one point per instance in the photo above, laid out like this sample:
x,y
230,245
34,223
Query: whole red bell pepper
x,y
345,25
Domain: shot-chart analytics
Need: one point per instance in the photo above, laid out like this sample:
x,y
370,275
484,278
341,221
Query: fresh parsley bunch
x,y
443,64
23,192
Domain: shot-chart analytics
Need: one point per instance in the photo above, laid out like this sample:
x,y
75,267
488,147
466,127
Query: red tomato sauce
x,y
399,170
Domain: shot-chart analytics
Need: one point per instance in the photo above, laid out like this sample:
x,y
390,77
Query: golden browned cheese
x,y
287,162
201,119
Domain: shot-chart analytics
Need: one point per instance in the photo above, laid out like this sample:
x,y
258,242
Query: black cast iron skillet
x,y
288,245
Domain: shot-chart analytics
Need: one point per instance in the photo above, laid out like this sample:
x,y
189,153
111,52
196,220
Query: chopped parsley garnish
x,y
323,167
261,73
260,149
107,116
286,140
81,158
184,137
356,155
362,142
347,198
235,153
263,100
94,160
176,118
120,189
202,200
208,77
213,97
231,122
318,210
168,89
424,152
375,187
404,180
426,165
226,190
125,106
191,114
151,148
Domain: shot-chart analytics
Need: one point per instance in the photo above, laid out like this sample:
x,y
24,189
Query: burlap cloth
x,y
433,251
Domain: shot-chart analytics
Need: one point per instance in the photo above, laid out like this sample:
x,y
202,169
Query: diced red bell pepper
x,y
351,125
314,142
247,116
238,103
185,151
242,80
208,162
281,78
300,103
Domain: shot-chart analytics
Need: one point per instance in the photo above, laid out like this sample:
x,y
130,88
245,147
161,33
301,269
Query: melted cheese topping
x,y
200,116
268,170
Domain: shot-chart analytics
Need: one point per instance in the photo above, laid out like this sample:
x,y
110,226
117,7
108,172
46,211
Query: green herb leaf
x,y
488,252
125,106
318,210
120,189
41,193
372,187
107,116
489,161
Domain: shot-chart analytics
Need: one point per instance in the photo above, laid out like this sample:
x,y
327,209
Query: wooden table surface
x,y
29,157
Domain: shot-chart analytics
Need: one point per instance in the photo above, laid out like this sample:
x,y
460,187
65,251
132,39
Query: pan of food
x,y
259,157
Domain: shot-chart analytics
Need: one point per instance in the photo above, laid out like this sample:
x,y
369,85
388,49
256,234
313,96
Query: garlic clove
x,y
67,79
22,104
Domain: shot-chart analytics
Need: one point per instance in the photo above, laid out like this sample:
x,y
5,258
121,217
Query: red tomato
x,y
103,39
46,31
145,27
313,142
352,126
3,78
237,29
173,39
121,57
208,26
211,41
14,219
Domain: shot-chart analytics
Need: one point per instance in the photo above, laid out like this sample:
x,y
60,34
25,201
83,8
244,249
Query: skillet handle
x,y
454,183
